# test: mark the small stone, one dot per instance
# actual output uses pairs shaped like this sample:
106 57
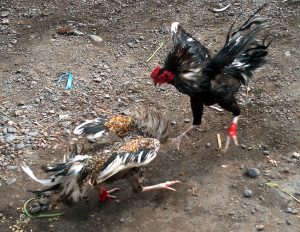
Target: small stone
43 201
98 79
11 167
131 45
35 208
248 193
18 113
187 120
63 116
122 220
11 130
95 38
287 53
266 152
4 13
65 124
66 132
10 138
296 155
107 96
20 146
173 122
231 13
10 181
252 172
243 146
288 222
5 21
208 144
260 227
33 133
44 208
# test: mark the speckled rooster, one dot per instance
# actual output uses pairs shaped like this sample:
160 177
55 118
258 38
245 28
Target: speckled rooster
207 81
69 180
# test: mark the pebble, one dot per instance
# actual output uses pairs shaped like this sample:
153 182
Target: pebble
252 172
35 208
5 21
248 193
4 14
10 181
260 227
266 152
131 45
44 201
208 144
65 124
20 146
291 210
122 220
187 120
33 133
296 155
11 130
288 222
173 122
11 167
10 138
95 38
287 53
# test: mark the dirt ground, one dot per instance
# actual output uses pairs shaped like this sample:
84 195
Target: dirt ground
114 75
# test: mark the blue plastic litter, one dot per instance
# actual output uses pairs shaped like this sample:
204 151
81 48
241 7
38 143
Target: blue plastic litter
69 80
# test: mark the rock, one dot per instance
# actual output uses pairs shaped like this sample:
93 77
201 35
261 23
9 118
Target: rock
296 155
122 220
20 146
4 13
11 167
230 13
10 181
11 130
66 132
252 172
33 133
173 122
288 222
10 138
187 120
287 53
65 124
208 144
95 38
291 210
244 146
131 45
260 227
35 208
44 201
63 116
44 208
18 113
98 80
247 193
5 21
266 152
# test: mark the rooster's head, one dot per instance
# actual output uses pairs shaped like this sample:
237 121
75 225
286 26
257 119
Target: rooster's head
160 76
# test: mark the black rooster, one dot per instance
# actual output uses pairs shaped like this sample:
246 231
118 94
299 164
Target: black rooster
207 80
